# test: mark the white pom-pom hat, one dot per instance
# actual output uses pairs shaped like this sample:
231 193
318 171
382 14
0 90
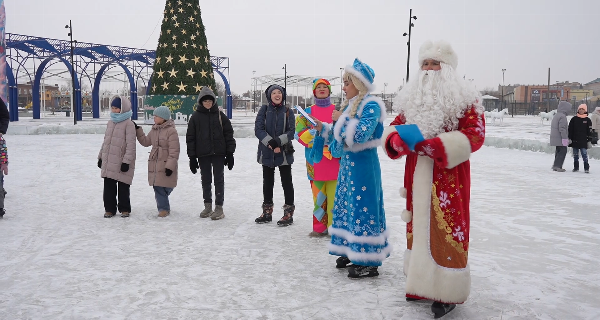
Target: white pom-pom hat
440 51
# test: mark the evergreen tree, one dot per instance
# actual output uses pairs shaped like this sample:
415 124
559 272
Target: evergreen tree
182 65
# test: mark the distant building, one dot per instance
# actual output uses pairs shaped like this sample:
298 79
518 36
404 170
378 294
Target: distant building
593 85
539 93
25 95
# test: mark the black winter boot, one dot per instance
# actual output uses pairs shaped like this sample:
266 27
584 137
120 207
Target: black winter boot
267 214
441 309
288 216
357 272
342 262
586 167
575 166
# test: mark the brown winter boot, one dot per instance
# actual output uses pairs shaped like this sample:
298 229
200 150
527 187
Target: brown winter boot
109 214
218 213
124 214
288 216
267 214
163 213
207 210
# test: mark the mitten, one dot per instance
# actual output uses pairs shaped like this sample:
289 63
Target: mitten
124 167
229 161
395 147
135 124
194 165
274 143
429 148
168 172
565 142
100 163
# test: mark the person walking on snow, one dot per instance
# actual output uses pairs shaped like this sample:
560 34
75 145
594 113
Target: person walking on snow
358 232
117 158
163 158
274 128
210 147
559 135
322 168
580 134
437 177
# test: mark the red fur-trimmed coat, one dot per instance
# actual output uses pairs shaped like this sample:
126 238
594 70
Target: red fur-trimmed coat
437 186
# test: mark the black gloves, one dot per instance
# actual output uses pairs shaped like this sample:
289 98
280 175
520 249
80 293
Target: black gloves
124 167
168 172
135 124
274 143
194 165
229 161
100 163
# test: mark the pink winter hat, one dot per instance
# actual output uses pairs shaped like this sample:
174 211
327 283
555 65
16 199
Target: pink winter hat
582 106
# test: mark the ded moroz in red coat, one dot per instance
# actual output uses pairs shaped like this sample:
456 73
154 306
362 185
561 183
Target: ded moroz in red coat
437 192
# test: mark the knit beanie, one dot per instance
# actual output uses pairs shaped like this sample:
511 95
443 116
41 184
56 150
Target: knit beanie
317 82
274 87
582 106
162 112
116 103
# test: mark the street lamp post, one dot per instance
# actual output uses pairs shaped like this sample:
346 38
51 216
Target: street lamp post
385 104
70 27
341 85
284 81
503 70
254 93
410 25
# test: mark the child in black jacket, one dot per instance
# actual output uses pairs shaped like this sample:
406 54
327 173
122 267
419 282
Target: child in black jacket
210 147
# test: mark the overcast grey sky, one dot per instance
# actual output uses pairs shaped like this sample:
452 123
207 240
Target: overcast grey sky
526 37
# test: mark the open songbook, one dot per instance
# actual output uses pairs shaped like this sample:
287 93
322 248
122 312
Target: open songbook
305 115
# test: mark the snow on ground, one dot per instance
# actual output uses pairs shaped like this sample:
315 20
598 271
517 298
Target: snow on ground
534 244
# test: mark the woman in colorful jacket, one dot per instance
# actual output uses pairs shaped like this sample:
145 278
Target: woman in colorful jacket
358 232
322 168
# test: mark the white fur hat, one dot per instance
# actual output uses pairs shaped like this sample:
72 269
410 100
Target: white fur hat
440 51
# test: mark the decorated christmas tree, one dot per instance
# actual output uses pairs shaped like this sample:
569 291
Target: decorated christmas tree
182 65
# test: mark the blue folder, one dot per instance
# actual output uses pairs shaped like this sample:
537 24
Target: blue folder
410 134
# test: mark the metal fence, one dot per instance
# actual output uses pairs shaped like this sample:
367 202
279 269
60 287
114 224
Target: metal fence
534 108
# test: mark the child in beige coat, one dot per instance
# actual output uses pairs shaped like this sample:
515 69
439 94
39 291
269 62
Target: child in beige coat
162 162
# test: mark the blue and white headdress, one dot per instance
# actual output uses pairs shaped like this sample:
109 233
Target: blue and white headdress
363 72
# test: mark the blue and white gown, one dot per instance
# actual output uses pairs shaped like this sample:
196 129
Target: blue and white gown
359 229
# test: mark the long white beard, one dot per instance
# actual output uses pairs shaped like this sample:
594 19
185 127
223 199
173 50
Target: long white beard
436 101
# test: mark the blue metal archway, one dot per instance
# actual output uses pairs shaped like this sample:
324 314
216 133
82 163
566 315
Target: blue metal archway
87 56
96 91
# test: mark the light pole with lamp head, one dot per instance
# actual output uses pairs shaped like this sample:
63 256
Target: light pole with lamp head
284 82
410 25
70 27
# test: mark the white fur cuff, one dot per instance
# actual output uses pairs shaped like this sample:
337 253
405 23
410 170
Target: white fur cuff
406 216
403 192
386 133
456 146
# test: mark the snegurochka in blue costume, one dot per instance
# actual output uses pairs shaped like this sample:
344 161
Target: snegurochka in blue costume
358 232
